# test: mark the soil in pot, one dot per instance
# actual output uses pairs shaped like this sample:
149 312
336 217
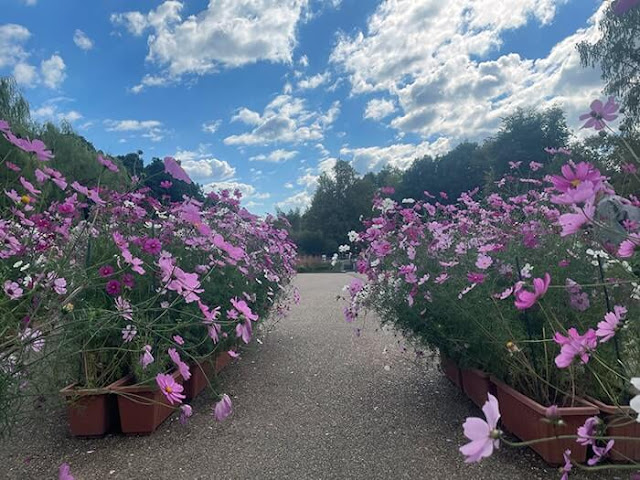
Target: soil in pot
90 412
524 417
621 422
477 385
451 370
142 408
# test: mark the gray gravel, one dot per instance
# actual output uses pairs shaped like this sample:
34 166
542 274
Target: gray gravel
312 402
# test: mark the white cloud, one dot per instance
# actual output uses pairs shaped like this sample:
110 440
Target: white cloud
12 40
277 156
227 34
53 71
82 41
151 129
151 81
50 111
399 155
212 126
288 185
249 192
203 167
378 108
303 61
439 71
314 81
285 119
25 75
300 200
30 3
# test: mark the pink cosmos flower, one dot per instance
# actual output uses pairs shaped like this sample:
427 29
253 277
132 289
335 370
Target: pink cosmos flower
178 339
106 271
475 277
13 290
60 286
129 333
12 166
128 280
107 163
124 308
173 168
113 287
4 126
574 175
483 434
566 468
185 412
166 184
440 279
623 6
152 246
608 327
37 147
170 388
572 222
600 452
243 330
629 167
504 294
574 345
64 472
514 165
223 408
233 354
600 113
526 299
244 309
484 261
587 431
183 368
629 246
535 166
146 358
28 186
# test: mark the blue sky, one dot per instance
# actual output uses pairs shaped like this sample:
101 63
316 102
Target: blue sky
265 94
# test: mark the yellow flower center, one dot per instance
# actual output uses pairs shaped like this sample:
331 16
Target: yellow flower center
575 182
25 199
168 389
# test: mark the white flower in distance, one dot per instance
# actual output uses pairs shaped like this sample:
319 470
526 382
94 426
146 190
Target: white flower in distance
353 236
408 200
635 401
344 248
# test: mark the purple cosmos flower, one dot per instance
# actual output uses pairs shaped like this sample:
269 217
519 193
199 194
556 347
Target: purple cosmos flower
152 246
60 286
12 166
64 473
128 280
13 290
587 431
484 261
629 246
608 327
475 277
600 452
171 389
575 345
233 354
146 358
4 126
124 308
107 163
223 408
185 412
566 469
600 113
129 333
183 368
526 299
173 168
243 330
178 339
572 222
243 308
535 166
106 271
483 434
623 6
113 287
440 279
574 175
166 184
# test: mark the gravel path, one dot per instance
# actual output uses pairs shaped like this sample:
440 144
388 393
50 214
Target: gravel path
312 402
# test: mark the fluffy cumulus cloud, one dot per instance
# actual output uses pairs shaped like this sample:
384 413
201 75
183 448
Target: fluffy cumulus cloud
82 41
53 71
53 110
12 40
285 119
309 182
276 156
314 81
300 200
203 167
226 34
447 71
379 108
212 126
400 155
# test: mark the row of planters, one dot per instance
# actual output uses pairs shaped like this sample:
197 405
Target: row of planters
126 300
533 289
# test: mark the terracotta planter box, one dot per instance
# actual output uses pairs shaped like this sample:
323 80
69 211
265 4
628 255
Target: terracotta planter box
200 374
477 385
90 412
621 422
142 408
222 360
451 370
523 417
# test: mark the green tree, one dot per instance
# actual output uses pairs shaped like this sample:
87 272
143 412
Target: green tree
617 53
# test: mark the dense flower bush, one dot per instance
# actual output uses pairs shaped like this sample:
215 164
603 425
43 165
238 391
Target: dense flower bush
536 283
98 284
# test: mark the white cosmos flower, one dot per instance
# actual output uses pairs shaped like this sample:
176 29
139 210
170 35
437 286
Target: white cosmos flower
635 401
